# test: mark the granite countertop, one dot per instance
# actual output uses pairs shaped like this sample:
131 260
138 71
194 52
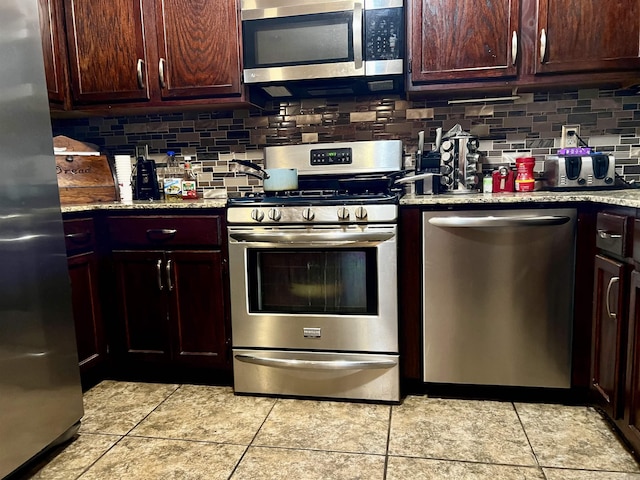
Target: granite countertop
147 205
624 198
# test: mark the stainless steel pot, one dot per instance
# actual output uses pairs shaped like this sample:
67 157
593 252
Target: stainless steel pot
273 179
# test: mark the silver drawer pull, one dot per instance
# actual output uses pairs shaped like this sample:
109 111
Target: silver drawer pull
608 235
611 282
159 274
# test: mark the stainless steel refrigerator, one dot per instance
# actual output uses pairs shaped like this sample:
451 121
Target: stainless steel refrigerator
40 393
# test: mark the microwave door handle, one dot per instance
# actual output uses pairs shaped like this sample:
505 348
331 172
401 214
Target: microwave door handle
357 35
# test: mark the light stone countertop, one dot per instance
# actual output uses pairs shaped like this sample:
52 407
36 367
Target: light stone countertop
147 205
624 198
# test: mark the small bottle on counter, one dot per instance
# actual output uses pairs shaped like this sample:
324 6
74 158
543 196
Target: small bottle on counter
189 185
487 183
172 179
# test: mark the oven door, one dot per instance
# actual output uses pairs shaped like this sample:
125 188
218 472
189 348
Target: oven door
308 40
321 288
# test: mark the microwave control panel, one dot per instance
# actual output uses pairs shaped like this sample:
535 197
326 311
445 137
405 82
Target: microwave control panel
384 34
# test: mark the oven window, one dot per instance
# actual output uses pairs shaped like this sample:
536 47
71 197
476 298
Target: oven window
302 40
340 281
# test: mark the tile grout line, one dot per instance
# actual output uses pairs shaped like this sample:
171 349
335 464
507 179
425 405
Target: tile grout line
252 440
125 435
524 430
386 456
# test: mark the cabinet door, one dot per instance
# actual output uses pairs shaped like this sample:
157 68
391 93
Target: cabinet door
631 424
199 48
587 35
53 49
197 311
90 338
463 39
107 50
609 320
142 310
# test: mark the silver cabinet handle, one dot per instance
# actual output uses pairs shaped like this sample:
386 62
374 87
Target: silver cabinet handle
543 45
316 364
78 237
161 234
357 35
607 235
514 47
168 271
611 282
139 66
161 73
159 274
478 222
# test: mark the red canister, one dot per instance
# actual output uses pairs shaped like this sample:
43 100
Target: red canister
524 176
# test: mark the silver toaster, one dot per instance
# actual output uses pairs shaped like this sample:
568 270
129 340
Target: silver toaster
579 171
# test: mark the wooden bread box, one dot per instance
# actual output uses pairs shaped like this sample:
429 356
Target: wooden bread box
83 175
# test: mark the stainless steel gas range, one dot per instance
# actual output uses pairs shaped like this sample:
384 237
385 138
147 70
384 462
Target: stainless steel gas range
314 276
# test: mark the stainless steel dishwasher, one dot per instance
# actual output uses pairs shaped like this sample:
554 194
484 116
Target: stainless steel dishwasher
498 297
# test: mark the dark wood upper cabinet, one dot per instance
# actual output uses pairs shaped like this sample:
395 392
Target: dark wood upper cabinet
54 51
503 44
108 60
151 52
463 39
199 48
587 36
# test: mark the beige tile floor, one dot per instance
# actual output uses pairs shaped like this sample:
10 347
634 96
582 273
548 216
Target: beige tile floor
158 431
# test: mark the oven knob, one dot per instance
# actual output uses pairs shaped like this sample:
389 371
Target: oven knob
257 215
308 214
361 213
343 214
275 214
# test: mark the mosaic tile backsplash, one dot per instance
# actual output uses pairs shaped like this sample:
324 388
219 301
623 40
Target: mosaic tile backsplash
609 121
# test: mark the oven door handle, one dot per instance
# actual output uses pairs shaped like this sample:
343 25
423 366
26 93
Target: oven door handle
336 238
316 364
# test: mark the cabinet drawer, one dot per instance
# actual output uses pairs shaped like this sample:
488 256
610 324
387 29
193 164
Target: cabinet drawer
613 233
165 231
79 235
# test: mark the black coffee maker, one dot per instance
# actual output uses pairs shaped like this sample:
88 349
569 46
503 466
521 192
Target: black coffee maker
146 176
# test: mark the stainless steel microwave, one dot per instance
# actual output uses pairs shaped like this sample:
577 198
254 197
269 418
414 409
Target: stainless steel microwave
321 39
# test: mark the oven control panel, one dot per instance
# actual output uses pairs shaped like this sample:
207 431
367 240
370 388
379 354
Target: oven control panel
336 156
313 214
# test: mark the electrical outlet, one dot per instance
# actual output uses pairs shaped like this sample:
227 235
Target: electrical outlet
569 137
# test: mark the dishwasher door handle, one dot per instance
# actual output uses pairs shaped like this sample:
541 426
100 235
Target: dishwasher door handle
491 221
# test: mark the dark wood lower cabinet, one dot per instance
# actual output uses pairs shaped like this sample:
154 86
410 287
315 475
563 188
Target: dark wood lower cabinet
170 307
630 424
90 336
609 324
